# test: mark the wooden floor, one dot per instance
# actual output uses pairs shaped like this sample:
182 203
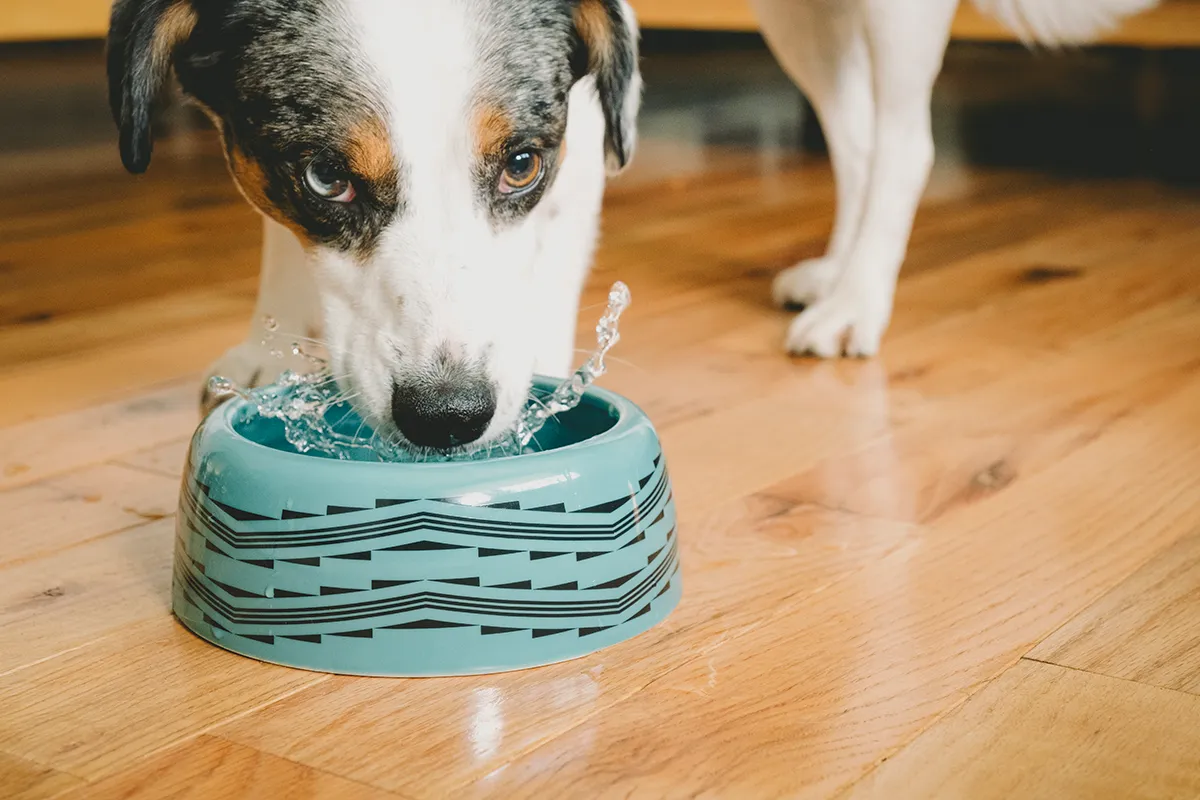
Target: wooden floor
967 569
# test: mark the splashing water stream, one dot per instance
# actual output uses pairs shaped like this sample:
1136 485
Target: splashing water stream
312 413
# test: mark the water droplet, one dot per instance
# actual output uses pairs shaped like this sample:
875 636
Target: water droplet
217 632
270 323
270 591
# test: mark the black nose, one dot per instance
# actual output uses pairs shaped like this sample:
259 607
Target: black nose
445 412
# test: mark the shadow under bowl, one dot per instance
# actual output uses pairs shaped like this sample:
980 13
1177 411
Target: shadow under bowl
404 569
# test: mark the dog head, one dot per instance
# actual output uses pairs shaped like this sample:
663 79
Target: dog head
408 144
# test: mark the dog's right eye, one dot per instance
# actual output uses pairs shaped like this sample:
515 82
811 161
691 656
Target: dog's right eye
325 180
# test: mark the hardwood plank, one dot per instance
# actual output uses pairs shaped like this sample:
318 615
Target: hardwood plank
35 450
842 681
53 19
167 459
62 512
71 383
161 686
24 780
63 601
968 447
1041 731
449 729
206 768
1144 629
94 331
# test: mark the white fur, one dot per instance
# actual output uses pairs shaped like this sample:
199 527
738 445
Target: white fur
441 276
868 67
1056 22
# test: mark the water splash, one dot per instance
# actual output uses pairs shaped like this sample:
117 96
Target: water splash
569 394
312 414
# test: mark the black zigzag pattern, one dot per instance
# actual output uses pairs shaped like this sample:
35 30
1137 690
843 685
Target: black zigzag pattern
584 606
642 502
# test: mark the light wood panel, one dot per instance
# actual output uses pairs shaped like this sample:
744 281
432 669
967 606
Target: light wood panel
1144 630
167 459
94 710
43 518
24 780
41 448
1042 731
53 19
84 593
207 768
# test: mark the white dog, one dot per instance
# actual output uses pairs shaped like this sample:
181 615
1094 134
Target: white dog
430 171
868 68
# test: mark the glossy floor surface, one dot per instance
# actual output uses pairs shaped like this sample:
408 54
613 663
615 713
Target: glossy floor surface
968 568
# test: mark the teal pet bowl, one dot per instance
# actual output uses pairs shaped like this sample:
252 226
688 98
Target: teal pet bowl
427 569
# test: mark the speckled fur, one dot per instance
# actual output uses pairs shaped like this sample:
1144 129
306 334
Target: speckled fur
431 258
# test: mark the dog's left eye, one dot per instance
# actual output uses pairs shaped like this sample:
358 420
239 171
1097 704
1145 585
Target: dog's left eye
328 182
522 171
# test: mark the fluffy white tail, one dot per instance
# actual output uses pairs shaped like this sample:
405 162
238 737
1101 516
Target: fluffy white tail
1055 22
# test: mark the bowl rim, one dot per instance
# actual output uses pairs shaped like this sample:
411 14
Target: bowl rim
630 420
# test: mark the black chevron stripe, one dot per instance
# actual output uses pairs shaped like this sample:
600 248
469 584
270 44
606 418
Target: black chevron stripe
485 630
424 600
375 526
424 521
195 514
431 600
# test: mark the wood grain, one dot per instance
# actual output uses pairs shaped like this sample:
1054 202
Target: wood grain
167 459
24 780
38 449
207 768
92 711
81 594
1041 731
1144 629
43 518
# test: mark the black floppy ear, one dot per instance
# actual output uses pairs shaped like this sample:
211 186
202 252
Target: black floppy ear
142 38
608 39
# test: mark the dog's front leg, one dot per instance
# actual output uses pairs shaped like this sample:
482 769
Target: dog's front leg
287 312
906 42
823 47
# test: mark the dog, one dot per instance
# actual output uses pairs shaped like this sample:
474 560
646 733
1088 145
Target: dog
430 173
868 69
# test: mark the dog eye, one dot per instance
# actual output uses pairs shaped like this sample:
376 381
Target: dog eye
327 181
522 171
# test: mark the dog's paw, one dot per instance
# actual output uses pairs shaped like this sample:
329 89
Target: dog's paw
247 366
807 283
847 322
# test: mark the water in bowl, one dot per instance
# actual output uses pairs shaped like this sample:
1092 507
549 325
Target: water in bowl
305 413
